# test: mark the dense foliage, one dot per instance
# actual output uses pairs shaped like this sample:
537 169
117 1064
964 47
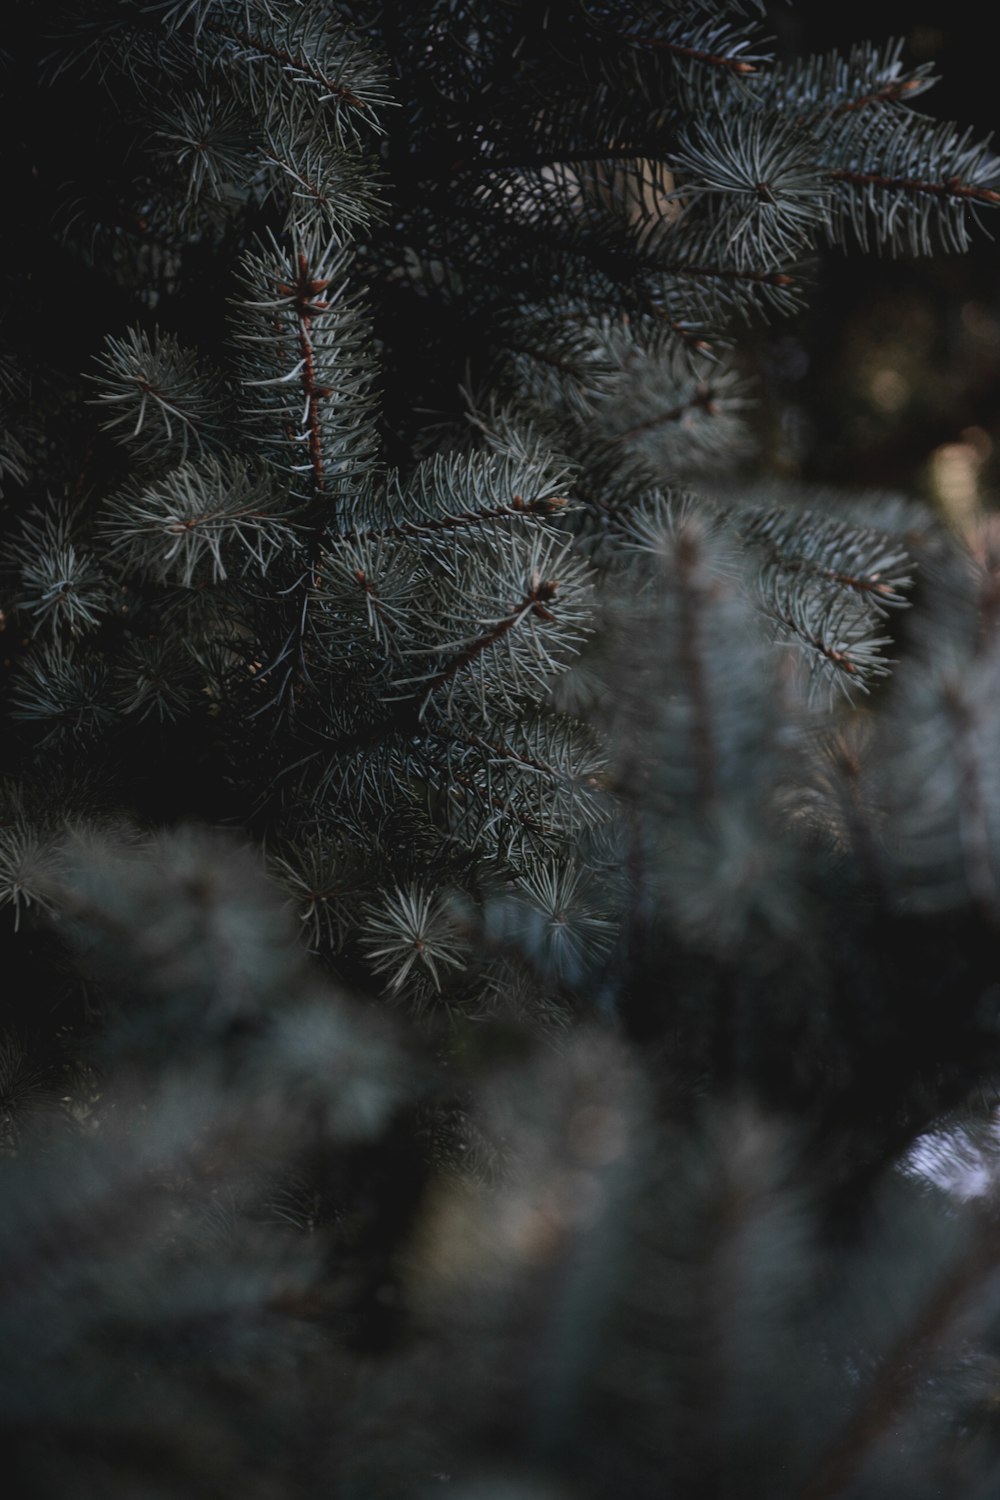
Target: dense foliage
386 575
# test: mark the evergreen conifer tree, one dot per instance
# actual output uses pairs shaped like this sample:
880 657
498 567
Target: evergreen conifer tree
494 892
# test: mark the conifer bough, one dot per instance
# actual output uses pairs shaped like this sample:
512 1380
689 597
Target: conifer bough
386 574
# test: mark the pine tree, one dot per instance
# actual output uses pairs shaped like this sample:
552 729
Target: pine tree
387 575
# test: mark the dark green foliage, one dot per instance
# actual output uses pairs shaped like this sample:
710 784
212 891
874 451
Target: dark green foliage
386 576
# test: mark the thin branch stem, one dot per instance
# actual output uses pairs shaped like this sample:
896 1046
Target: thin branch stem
704 399
534 602
952 187
516 509
288 60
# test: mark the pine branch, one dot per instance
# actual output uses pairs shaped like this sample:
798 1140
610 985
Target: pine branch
60 582
812 91
927 175
952 187
201 519
690 38
166 403
862 561
306 366
704 399
759 177
309 51
518 645
517 509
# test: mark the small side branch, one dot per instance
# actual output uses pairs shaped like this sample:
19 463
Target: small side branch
704 399
306 292
889 93
729 64
516 509
951 187
728 273
534 603
839 659
288 59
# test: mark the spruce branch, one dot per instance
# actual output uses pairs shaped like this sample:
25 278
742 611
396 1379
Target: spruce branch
368 586
526 607
813 91
892 1385
450 499
827 586
554 916
863 561
64 694
306 365
927 187
758 175
198 522
14 394
157 678
26 864
521 726
210 139
413 933
694 36
834 633
306 49
323 873
331 192
701 731
60 584
160 402
530 787
702 292
668 412
32 1103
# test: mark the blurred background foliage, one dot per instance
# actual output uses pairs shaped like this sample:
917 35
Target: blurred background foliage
891 377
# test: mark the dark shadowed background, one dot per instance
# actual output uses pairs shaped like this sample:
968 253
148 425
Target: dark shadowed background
893 377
